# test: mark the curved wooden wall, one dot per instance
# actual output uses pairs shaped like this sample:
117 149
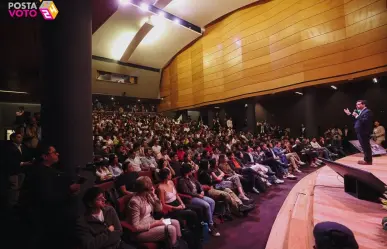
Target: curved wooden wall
278 45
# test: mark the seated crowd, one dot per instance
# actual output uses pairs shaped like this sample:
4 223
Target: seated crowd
161 181
192 172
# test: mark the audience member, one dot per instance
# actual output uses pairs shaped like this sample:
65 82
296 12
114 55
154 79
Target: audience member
99 227
140 209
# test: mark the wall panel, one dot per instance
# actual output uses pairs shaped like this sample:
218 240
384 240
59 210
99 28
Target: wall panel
278 45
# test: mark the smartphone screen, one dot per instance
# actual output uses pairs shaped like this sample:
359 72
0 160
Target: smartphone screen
167 221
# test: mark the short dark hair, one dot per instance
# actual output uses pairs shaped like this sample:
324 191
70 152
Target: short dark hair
13 135
90 196
111 157
125 166
364 102
185 168
45 149
160 163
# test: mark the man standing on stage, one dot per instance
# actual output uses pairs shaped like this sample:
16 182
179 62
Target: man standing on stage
363 128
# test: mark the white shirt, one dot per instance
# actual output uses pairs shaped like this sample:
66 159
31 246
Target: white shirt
315 145
99 216
229 123
136 162
156 149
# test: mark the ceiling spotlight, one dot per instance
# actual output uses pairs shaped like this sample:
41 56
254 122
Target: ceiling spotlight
161 14
375 80
144 7
123 2
334 87
138 100
299 93
177 21
112 98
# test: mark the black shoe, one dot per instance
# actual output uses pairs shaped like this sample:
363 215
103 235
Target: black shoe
246 208
270 173
228 217
250 201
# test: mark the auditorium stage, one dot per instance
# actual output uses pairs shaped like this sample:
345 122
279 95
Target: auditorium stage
320 197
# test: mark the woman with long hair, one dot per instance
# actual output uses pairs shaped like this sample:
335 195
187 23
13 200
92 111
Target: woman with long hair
140 215
177 209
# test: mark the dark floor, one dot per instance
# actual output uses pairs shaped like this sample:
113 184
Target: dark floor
253 231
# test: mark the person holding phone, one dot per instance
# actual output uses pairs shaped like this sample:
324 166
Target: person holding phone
140 215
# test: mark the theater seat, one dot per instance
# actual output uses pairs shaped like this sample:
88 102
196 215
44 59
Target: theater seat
128 228
146 173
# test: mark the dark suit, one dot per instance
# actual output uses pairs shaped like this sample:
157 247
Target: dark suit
12 160
363 128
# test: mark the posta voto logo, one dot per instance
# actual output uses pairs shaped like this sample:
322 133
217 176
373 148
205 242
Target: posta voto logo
30 9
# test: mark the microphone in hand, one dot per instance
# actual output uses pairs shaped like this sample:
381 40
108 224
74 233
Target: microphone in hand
354 113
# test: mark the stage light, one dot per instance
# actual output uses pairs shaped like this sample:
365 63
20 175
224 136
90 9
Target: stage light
217 107
138 100
299 93
124 2
375 80
161 14
177 21
334 87
112 98
144 7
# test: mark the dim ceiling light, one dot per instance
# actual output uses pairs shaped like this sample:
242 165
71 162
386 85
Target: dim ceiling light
334 87
299 93
375 80
7 91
